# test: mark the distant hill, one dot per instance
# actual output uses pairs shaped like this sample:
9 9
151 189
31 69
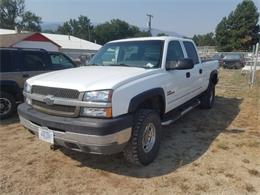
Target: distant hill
54 26
50 25
156 31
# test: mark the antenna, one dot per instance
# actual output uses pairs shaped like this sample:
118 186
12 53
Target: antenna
150 16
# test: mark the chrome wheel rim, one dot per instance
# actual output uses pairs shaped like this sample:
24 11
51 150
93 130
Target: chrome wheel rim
5 106
148 139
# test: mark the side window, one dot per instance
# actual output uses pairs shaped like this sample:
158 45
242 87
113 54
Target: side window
6 62
59 61
174 53
33 61
191 51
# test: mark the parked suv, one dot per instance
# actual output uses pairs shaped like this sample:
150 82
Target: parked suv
17 65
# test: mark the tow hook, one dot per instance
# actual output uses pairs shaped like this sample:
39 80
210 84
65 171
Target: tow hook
54 147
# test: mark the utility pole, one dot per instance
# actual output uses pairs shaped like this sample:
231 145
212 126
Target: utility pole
150 16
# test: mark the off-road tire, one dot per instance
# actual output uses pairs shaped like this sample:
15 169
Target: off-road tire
134 152
11 99
208 98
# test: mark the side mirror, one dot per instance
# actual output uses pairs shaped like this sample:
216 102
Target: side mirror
182 64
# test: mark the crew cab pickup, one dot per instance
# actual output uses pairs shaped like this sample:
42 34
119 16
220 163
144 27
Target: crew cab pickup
120 101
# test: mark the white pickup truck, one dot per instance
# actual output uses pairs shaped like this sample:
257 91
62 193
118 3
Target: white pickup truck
120 101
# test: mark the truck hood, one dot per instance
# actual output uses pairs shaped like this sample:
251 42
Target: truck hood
91 77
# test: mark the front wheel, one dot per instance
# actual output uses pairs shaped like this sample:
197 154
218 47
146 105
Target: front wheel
7 105
144 144
208 98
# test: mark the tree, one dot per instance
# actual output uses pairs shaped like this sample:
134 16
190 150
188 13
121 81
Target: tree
80 27
13 14
10 13
204 40
238 31
116 29
31 22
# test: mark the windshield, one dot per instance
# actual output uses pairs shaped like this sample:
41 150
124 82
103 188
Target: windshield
143 54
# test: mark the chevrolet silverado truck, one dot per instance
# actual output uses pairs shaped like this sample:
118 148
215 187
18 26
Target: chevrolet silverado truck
120 101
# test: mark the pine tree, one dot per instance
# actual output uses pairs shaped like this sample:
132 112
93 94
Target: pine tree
239 31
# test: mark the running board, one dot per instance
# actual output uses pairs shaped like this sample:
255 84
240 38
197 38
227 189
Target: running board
181 113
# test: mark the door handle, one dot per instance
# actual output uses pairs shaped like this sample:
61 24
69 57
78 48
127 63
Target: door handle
200 71
187 74
26 75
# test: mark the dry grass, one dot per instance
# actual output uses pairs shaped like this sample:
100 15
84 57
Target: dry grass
206 152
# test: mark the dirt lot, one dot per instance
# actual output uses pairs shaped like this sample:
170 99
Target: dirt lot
206 152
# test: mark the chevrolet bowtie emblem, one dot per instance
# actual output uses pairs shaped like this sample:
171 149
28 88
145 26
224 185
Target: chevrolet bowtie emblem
49 100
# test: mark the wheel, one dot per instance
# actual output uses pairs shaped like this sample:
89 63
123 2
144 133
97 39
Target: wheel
208 98
144 144
7 105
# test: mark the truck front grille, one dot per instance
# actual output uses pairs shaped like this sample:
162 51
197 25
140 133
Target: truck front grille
57 92
60 110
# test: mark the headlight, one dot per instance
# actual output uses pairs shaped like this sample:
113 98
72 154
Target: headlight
97 112
27 88
98 96
104 96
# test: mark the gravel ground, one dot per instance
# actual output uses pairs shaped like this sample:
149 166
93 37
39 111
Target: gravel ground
213 151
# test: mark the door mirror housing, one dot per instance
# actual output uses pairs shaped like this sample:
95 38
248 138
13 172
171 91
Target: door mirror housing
182 64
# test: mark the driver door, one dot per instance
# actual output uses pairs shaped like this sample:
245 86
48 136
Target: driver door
179 81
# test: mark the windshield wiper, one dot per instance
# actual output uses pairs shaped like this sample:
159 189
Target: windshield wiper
93 64
121 64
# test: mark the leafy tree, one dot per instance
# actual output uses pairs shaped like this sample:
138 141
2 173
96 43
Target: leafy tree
238 31
80 27
116 29
31 22
13 14
204 40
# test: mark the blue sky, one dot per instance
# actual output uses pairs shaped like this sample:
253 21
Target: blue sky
187 17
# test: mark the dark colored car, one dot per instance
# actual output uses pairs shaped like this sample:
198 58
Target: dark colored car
17 65
233 61
218 57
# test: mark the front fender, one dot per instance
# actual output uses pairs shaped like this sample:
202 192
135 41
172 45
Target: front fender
140 98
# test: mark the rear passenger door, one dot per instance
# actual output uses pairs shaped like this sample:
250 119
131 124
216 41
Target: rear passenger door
196 72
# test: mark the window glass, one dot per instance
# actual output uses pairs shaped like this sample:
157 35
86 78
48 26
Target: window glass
191 51
60 61
174 54
144 54
34 61
6 62
109 56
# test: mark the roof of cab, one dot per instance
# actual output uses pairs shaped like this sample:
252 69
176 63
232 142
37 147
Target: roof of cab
162 38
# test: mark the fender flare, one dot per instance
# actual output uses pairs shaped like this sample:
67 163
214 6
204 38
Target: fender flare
11 87
138 99
214 77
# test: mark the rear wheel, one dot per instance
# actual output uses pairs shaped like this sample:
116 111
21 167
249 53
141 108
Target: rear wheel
7 105
144 144
208 98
